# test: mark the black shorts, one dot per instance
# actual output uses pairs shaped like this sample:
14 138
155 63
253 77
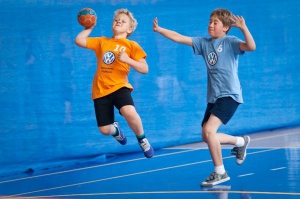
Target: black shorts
104 106
224 108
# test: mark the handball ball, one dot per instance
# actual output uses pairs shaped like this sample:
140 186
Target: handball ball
87 17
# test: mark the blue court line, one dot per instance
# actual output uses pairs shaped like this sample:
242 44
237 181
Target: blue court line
137 173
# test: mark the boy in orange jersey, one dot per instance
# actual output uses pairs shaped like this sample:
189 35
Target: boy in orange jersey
111 88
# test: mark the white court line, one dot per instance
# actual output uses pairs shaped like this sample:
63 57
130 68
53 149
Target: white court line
170 192
132 174
279 168
274 136
252 140
137 159
248 174
97 166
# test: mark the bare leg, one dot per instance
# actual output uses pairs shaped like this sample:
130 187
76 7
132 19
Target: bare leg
133 119
107 130
226 139
135 123
209 135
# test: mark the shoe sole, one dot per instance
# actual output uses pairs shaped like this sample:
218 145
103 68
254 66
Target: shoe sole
151 151
245 155
217 188
214 183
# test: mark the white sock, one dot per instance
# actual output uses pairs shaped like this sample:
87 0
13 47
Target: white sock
240 141
220 169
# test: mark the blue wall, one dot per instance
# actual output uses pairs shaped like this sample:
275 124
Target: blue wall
47 117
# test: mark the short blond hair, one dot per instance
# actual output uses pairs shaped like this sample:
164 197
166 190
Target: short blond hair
133 21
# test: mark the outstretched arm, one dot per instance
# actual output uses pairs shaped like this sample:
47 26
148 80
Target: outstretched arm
172 35
249 44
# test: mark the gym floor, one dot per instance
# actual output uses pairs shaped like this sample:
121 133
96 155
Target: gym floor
271 170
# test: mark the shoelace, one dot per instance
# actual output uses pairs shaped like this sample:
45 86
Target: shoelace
145 145
237 151
212 176
119 137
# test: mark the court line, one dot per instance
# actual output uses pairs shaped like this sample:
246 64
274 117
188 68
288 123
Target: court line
126 161
132 174
248 174
274 136
174 192
280 168
97 166
252 140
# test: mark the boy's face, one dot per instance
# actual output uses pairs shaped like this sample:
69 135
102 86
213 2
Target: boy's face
216 29
121 24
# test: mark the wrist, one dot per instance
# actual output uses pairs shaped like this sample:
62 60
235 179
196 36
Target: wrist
243 28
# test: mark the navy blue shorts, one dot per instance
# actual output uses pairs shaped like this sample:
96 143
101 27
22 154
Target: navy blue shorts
104 106
224 108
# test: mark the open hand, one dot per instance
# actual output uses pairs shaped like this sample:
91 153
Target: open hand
238 21
155 24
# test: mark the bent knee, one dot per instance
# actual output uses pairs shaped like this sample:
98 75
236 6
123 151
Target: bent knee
106 130
206 133
129 112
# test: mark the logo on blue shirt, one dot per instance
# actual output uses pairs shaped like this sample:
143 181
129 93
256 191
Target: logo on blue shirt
212 58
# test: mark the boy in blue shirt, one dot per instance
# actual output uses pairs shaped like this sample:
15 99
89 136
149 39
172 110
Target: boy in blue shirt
224 93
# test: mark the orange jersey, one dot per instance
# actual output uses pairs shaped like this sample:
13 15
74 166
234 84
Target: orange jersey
112 74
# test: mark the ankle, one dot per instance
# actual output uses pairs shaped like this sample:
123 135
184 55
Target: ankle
240 141
140 137
220 169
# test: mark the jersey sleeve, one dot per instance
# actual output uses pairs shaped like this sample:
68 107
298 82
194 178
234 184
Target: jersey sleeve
93 42
197 45
137 52
235 43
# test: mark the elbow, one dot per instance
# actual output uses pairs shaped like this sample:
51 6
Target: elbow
253 47
145 71
76 42
81 42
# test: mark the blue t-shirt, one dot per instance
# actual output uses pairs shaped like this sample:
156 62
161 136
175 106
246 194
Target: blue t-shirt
221 58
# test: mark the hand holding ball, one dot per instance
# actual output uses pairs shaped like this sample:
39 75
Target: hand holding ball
87 17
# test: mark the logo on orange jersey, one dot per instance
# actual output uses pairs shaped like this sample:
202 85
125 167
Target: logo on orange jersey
109 58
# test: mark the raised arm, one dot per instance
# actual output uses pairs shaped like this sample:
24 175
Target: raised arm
80 39
249 44
172 35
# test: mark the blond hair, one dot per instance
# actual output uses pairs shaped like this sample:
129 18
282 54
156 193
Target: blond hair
224 16
133 21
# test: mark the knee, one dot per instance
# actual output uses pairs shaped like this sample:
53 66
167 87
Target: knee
205 134
106 130
129 113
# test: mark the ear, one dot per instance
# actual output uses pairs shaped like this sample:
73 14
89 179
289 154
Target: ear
129 31
226 28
